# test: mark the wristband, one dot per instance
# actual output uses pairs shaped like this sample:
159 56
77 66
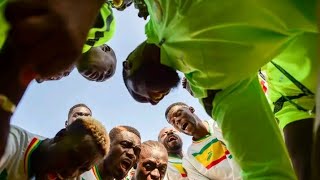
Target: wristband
117 5
6 104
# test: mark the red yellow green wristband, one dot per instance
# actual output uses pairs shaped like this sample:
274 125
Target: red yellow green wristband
6 104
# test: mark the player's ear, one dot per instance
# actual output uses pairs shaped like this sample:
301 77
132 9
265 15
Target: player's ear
127 65
66 123
191 109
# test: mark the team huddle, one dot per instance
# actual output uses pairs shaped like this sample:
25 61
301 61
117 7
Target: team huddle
253 65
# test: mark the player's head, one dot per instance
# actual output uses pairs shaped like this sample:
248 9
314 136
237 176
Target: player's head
142 8
77 148
124 151
98 64
77 111
171 140
182 117
57 76
146 79
153 161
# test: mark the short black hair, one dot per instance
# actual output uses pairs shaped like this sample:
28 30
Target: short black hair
172 105
116 130
78 105
150 70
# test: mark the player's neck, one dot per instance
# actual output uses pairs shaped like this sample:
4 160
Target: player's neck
178 154
104 170
201 131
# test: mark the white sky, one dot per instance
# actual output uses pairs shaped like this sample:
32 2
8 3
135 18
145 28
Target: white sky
45 106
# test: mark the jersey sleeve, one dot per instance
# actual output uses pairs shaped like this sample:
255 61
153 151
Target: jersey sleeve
103 29
3 23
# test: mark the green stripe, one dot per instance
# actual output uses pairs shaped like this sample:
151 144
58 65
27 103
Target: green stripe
98 173
206 147
29 158
173 162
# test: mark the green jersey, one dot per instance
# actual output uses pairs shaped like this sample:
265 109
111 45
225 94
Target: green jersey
103 29
220 46
3 23
217 43
101 33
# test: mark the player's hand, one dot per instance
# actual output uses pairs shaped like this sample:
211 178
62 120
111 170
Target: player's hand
186 85
47 36
142 7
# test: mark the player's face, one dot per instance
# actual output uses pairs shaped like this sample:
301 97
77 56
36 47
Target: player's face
147 80
124 153
58 76
171 140
73 156
152 164
77 112
182 119
145 94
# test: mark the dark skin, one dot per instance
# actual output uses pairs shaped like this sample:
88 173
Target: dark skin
186 85
37 55
66 156
27 57
147 80
172 142
299 146
152 164
142 8
184 120
123 155
77 112
97 64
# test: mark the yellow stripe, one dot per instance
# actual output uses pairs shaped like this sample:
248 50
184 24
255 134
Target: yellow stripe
31 147
96 173
212 153
180 168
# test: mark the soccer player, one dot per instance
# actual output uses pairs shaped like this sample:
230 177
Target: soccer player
73 150
220 56
44 39
123 155
207 156
171 140
153 161
77 111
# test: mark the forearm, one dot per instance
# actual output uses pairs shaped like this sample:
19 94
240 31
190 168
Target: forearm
10 87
